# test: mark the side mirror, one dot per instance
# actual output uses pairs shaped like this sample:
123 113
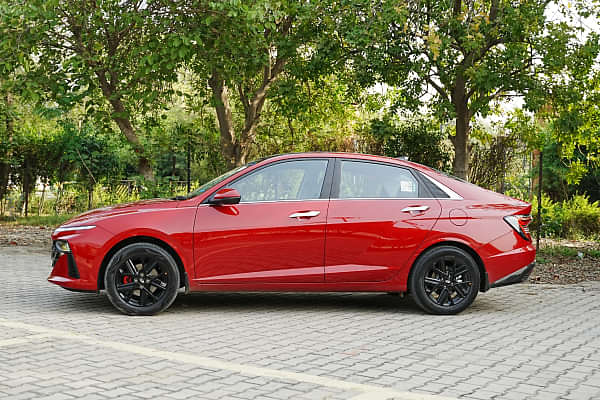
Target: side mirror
225 196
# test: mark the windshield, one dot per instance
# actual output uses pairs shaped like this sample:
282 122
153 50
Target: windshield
216 181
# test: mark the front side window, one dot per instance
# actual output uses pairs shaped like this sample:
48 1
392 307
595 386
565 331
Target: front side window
372 180
289 180
216 181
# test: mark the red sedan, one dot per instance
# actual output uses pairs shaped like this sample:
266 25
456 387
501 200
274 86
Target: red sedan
303 222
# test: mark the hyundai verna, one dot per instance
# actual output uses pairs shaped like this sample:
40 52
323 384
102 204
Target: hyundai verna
303 222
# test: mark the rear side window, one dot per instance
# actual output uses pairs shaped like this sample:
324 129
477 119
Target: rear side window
372 180
435 190
290 180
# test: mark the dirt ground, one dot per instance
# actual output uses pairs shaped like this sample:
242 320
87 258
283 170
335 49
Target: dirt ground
552 268
562 268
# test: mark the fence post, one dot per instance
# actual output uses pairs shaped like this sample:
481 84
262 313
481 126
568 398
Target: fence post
189 156
539 229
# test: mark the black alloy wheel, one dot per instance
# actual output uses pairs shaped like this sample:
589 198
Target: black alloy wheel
142 279
445 280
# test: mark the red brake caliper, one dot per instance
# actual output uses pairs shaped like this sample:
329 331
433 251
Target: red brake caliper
126 279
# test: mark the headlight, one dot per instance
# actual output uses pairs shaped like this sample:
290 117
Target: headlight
74 228
62 246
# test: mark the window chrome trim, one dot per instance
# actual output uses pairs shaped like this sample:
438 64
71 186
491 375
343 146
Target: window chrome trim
452 195
267 201
278 201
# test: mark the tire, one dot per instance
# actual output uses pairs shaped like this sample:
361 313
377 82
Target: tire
444 280
141 279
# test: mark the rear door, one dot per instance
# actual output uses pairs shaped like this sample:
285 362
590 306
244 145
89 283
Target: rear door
379 213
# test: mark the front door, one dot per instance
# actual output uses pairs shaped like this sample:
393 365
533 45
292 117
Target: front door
275 234
378 216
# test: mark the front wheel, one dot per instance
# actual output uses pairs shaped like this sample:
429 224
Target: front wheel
445 280
141 279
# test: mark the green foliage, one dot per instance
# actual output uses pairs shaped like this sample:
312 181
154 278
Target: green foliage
460 58
307 116
581 218
105 55
575 218
92 156
495 151
421 140
559 171
242 50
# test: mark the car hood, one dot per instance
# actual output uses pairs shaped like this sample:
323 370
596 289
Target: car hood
93 216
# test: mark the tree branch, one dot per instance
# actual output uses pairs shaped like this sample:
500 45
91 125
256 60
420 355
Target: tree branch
437 87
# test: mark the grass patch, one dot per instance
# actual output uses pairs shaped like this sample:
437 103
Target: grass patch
594 253
566 252
34 220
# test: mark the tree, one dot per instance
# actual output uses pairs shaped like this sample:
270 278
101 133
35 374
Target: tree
91 155
240 49
461 56
421 140
106 53
34 155
318 114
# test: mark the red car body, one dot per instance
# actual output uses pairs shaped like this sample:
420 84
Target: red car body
364 244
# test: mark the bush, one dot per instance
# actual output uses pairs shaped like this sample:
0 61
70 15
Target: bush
575 218
581 218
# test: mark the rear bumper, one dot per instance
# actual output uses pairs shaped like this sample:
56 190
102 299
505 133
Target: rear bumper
518 276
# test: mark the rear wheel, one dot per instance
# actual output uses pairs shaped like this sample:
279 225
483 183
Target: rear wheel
141 279
445 280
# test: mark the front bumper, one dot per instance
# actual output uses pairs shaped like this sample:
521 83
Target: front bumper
518 276
65 272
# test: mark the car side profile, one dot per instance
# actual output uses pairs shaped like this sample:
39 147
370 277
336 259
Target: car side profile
321 222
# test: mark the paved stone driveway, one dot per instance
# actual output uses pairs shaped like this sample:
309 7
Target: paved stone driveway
519 342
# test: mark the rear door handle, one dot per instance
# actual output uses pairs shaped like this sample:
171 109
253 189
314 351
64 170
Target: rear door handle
415 208
305 214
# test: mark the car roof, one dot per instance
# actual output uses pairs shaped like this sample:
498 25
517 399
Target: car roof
358 156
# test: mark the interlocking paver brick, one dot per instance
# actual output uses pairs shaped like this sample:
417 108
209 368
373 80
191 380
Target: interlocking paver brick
518 342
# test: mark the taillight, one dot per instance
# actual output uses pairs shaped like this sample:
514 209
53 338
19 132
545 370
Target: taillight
520 223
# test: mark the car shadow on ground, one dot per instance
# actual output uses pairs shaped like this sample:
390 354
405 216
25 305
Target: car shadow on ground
248 302
315 302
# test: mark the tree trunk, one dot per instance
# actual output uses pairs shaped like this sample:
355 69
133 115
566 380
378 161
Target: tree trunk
173 164
229 145
90 197
41 205
460 166
124 124
58 197
26 185
236 149
5 162
291 128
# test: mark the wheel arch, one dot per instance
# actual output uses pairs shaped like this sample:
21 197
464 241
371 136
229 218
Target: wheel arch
484 284
183 278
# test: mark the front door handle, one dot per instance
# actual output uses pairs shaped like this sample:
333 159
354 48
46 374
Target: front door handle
415 209
305 214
